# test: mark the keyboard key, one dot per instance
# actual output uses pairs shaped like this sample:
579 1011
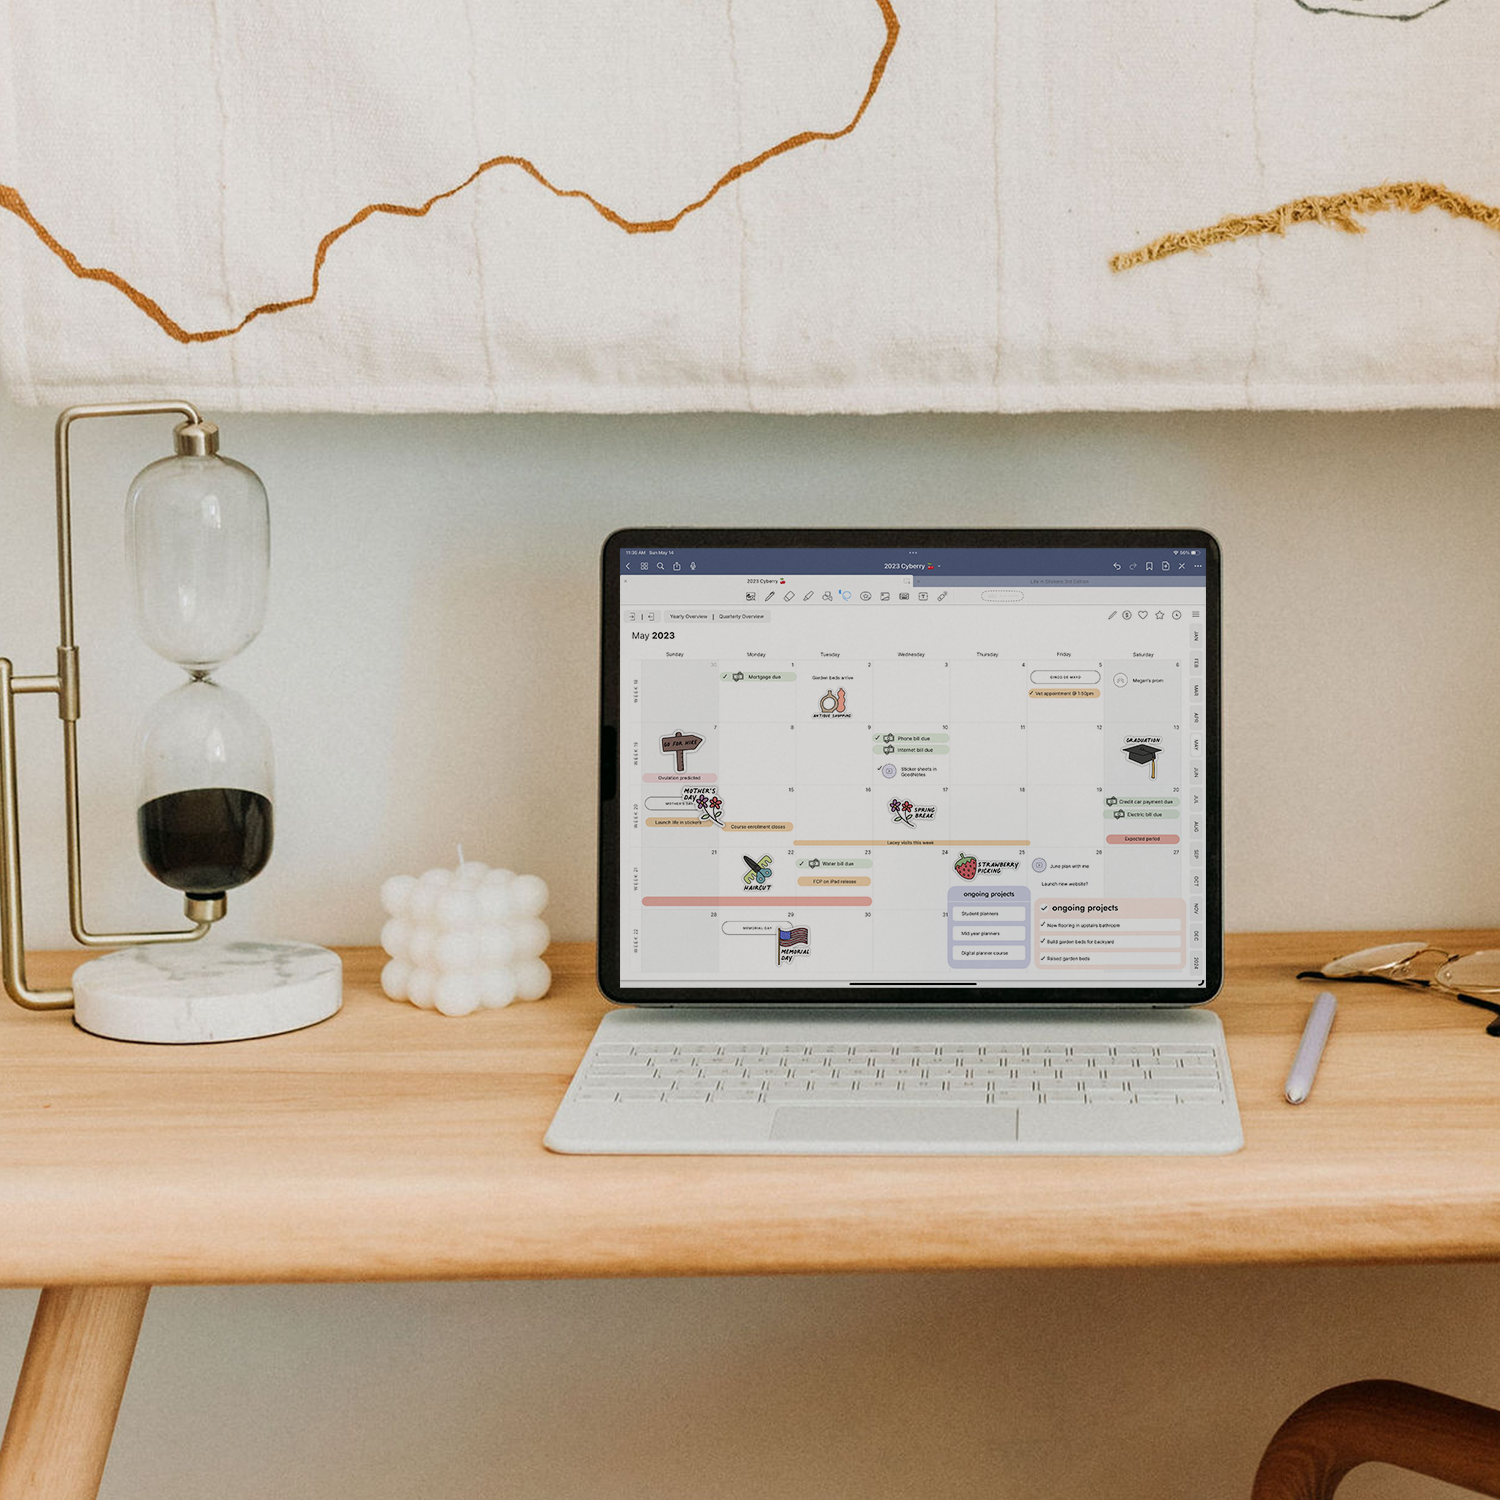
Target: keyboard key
595 1096
688 1096
640 1096
1068 1098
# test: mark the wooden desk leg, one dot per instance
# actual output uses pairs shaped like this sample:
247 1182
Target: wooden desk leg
72 1380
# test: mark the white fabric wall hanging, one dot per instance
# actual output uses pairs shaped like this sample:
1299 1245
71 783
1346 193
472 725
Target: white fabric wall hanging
791 205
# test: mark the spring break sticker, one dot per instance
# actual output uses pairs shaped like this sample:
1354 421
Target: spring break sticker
905 811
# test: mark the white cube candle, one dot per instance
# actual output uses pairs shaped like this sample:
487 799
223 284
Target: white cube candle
465 940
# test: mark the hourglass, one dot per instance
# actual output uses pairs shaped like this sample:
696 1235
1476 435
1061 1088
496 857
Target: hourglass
200 568
197 533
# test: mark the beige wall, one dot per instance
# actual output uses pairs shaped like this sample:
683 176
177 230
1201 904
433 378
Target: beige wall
429 663
429 673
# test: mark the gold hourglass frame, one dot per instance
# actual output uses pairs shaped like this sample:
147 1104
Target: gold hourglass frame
63 685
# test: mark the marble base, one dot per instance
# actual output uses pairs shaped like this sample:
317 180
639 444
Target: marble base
206 992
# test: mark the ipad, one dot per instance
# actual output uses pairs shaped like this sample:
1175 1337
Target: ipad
910 767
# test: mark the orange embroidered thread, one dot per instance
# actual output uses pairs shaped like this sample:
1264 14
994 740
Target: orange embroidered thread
14 203
1336 210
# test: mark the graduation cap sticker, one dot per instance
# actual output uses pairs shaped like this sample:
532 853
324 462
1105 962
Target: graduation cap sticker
1142 754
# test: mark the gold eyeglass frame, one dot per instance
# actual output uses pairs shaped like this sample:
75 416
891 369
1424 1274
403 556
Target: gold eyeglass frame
1398 971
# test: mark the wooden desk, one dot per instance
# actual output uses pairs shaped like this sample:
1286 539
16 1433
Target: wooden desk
396 1144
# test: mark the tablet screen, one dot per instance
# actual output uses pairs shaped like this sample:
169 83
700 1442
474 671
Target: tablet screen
938 768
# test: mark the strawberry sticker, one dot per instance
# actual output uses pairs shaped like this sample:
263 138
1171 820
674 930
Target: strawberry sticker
967 866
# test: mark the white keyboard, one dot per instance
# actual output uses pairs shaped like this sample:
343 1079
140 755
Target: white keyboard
710 1080
1010 1074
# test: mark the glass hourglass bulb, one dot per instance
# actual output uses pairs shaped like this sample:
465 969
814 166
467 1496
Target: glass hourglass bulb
198 534
207 779
198 531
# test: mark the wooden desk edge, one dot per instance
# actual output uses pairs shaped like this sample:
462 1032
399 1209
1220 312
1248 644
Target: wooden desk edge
679 1268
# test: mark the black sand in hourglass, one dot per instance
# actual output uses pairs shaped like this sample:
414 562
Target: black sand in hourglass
206 841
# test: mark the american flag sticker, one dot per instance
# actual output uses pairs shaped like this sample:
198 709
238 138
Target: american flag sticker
789 937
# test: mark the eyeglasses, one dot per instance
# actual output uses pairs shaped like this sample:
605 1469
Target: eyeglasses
1473 978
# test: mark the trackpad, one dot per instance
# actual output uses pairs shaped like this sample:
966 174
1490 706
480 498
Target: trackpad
894 1124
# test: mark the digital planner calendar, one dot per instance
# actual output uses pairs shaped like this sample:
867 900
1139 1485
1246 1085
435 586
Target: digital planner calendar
983 767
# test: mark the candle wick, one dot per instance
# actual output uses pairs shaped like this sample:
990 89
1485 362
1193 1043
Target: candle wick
460 856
